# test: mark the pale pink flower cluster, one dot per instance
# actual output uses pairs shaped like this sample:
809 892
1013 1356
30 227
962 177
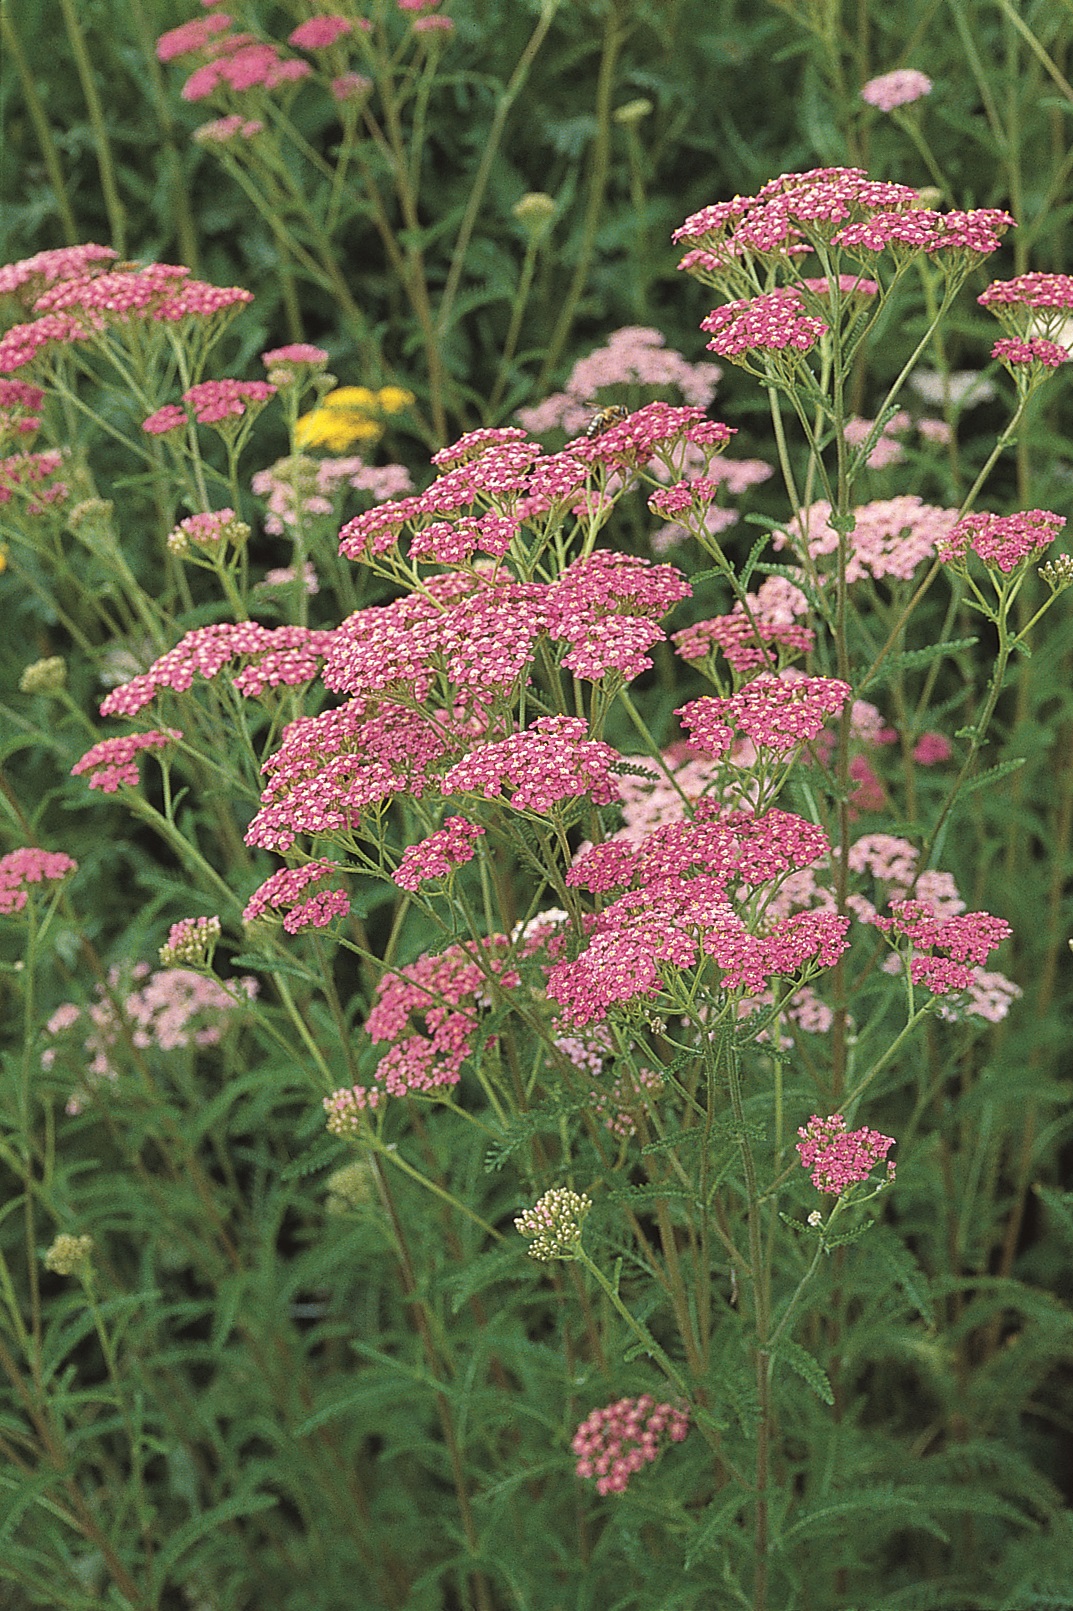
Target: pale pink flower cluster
887 449
619 1105
614 1443
899 88
222 130
1002 542
633 356
168 1010
438 855
285 576
299 355
274 657
286 893
28 865
892 536
113 762
839 1157
299 487
965 939
775 713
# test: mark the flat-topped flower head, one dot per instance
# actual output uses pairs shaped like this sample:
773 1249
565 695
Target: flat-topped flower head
839 1157
776 713
549 763
1002 542
773 323
27 278
891 537
614 1443
437 856
287 896
963 941
21 868
553 1225
273 657
899 88
113 762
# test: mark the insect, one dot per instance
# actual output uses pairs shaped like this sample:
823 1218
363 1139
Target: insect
614 414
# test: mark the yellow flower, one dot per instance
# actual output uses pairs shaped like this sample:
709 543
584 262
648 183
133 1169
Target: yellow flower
335 429
349 415
393 399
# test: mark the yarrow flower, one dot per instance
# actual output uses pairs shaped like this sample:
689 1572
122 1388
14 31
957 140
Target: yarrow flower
1011 351
552 761
1002 542
169 1009
285 894
190 943
966 938
775 713
28 865
614 1443
840 1158
438 855
899 88
69 1255
553 1225
113 762
773 323
274 657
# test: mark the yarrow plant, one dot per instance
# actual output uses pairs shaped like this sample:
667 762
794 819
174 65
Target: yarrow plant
568 873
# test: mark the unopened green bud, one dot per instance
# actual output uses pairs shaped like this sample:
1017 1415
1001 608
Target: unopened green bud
69 1255
632 112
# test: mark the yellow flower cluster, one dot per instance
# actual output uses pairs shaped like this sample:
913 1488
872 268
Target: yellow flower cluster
350 415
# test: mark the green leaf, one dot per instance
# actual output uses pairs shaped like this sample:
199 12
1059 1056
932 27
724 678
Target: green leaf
719 1522
993 774
198 1526
809 1369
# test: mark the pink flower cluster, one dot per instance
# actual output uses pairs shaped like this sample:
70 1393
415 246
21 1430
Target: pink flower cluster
168 1010
429 1011
28 865
19 404
775 713
27 278
965 938
222 130
236 61
774 322
317 33
1011 351
677 907
1040 292
634 355
747 643
286 892
211 401
1002 541
24 474
438 855
614 1443
332 768
284 656
840 1158
552 761
890 537
899 88
113 762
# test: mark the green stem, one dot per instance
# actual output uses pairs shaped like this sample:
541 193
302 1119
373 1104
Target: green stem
102 144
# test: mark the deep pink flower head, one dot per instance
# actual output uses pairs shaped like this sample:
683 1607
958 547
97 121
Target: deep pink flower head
439 854
113 761
1011 351
191 38
776 713
931 749
1002 541
966 939
28 865
285 894
840 1158
1046 291
614 1443
317 33
774 322
896 89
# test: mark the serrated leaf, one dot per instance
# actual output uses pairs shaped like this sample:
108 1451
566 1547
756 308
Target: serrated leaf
718 1522
912 659
993 774
809 1369
207 1521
